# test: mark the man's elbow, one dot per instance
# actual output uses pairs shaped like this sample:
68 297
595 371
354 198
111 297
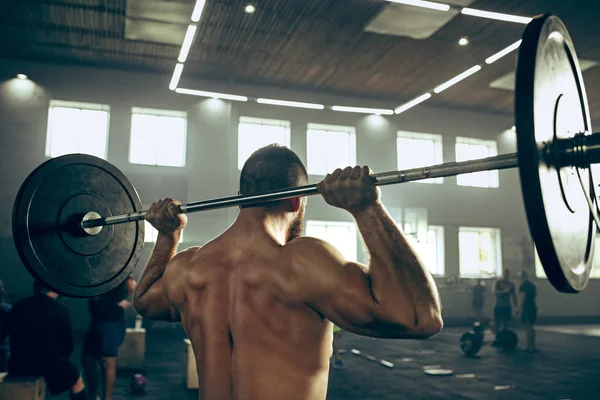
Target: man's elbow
429 325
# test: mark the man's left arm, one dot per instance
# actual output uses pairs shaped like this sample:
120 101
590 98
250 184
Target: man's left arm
149 297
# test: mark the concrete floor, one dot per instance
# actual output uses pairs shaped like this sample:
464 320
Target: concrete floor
566 367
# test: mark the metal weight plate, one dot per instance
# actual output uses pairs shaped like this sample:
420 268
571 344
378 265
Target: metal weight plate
46 216
550 104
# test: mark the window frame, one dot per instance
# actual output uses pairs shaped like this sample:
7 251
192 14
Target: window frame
263 122
77 105
153 232
159 113
438 155
350 130
497 234
492 145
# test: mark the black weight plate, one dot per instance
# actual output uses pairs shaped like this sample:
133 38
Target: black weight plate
46 215
471 343
550 104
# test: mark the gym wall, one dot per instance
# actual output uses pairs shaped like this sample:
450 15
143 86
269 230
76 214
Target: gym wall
211 167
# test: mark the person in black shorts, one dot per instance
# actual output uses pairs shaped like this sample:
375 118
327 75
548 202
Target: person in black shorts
104 337
41 342
504 290
528 309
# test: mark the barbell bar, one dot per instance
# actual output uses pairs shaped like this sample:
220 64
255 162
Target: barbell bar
555 156
380 179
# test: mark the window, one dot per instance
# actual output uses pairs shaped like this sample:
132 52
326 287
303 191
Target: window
426 240
77 128
158 137
594 274
329 147
151 234
254 133
419 150
479 251
342 235
472 149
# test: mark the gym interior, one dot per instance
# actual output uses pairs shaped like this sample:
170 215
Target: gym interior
178 94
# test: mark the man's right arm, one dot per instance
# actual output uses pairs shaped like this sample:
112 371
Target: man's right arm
395 296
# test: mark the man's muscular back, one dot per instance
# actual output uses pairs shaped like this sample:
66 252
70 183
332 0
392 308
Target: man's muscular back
253 338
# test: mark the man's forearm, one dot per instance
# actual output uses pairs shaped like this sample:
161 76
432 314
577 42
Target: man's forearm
398 278
163 252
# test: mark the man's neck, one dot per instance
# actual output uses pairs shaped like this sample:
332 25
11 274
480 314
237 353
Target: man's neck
274 224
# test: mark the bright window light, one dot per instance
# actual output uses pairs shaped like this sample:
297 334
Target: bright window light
214 95
187 43
176 76
77 128
457 79
473 149
254 133
22 76
158 137
400 109
494 15
290 104
342 235
362 110
503 52
151 234
479 252
419 150
320 139
198 8
424 4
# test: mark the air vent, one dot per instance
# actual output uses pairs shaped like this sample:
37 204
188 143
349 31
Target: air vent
414 22
157 21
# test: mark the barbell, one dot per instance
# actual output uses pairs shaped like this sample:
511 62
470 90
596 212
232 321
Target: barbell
78 223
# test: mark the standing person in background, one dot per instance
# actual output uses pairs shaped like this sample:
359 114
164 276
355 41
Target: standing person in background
104 337
41 342
528 309
4 316
478 299
506 298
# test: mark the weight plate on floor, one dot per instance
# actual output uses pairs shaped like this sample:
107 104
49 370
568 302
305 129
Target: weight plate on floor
551 104
438 372
46 216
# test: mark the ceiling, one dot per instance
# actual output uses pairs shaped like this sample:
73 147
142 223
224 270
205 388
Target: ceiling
309 45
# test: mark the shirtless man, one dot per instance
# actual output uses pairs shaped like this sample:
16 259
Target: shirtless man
258 302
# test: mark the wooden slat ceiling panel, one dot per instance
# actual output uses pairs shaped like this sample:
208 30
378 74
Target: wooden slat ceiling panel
313 45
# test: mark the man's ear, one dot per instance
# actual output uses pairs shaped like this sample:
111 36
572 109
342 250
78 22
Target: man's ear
295 203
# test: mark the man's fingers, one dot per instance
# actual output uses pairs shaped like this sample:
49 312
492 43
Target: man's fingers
336 174
346 173
355 174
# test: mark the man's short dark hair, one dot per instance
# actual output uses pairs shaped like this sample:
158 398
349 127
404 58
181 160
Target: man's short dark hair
269 168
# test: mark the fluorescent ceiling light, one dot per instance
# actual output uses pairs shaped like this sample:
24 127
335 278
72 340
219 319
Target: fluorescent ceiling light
457 79
214 95
494 15
412 103
187 43
503 52
249 9
197 13
362 110
424 4
176 76
463 41
290 104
